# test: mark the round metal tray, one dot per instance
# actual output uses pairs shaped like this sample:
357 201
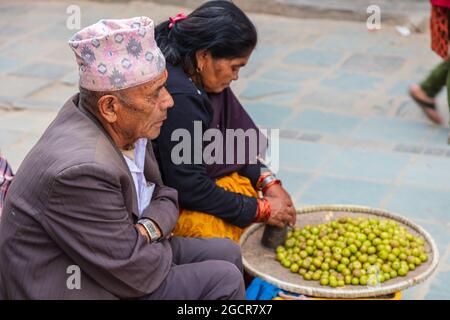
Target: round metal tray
260 261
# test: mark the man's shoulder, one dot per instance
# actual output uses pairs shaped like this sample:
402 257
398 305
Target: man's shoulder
71 140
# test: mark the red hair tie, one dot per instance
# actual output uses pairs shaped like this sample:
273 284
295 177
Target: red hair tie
178 17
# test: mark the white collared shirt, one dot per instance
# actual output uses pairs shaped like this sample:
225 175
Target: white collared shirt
144 189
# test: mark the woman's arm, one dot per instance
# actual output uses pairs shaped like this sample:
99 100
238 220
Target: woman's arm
196 191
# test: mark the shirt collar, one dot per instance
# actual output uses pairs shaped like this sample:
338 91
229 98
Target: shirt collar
139 156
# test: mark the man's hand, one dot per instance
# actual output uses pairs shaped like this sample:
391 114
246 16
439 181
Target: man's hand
279 193
144 232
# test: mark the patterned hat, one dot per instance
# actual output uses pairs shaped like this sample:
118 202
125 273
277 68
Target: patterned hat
117 54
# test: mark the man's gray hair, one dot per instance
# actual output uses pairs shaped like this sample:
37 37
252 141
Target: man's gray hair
89 98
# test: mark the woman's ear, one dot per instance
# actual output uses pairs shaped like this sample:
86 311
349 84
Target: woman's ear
203 57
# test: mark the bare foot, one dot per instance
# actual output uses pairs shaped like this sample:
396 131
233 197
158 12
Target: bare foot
426 103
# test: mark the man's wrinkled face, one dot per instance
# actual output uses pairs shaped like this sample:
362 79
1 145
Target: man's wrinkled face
143 109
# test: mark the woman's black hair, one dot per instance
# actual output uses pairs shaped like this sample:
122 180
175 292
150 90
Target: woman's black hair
219 27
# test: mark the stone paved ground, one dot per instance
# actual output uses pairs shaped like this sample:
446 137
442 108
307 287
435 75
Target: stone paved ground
349 132
403 12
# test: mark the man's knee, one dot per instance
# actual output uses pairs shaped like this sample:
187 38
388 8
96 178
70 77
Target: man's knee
230 280
231 252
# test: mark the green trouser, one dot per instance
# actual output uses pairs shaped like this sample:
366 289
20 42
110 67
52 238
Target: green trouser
437 79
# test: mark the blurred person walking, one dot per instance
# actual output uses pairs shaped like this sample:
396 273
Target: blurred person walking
425 92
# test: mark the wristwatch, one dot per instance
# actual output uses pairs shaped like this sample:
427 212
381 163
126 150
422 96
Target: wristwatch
150 228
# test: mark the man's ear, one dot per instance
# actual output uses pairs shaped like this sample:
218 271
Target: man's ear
108 107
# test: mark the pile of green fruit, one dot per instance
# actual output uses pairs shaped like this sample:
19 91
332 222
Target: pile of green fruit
352 251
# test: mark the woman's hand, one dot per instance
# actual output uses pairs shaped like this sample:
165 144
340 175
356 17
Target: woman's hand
278 192
281 213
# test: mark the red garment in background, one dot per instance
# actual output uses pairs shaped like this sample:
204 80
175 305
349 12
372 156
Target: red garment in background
441 3
439 30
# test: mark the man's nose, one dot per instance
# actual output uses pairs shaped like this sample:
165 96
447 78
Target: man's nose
168 101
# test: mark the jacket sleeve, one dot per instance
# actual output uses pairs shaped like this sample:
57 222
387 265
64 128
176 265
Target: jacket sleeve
87 218
163 209
197 191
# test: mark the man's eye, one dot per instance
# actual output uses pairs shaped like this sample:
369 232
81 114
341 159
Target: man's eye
154 96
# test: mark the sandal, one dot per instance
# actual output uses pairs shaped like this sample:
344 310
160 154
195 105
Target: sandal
428 108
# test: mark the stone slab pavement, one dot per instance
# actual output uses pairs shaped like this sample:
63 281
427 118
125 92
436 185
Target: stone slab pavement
413 13
337 92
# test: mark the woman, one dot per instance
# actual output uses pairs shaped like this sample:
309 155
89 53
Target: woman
204 53
425 92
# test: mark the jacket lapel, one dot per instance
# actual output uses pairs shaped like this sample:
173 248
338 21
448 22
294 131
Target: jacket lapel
134 205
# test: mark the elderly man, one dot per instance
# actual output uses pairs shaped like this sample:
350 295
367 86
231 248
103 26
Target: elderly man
87 215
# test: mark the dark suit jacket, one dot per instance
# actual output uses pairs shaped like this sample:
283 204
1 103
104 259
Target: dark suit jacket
73 202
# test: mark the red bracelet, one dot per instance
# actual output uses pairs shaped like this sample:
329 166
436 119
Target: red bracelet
258 211
263 211
266 209
274 182
261 179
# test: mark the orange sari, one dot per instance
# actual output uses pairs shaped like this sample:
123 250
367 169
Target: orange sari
200 224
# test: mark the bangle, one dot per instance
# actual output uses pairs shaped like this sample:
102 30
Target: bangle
258 211
263 210
266 181
261 179
271 183
266 209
